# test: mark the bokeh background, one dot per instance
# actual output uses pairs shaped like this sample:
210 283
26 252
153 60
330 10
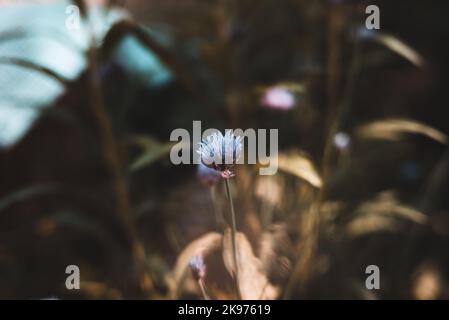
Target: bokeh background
85 173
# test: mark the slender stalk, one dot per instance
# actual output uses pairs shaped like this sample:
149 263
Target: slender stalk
233 240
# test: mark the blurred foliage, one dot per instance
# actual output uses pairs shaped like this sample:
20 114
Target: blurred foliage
85 121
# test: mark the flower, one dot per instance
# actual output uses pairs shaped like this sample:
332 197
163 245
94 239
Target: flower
278 98
221 152
197 267
208 176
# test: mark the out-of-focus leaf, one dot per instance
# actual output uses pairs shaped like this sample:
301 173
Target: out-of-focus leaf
274 251
98 290
126 28
297 164
387 204
153 150
33 60
428 283
294 87
201 246
81 4
394 129
394 44
253 282
26 193
144 65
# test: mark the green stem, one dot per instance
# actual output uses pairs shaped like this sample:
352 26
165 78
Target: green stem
233 239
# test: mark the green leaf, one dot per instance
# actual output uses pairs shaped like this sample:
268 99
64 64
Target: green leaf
153 150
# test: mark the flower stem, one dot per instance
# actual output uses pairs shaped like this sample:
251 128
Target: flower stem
203 289
111 154
233 240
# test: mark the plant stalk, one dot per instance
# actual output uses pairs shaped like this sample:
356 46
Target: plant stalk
233 240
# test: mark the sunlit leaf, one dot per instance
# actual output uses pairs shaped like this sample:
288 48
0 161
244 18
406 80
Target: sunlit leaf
35 67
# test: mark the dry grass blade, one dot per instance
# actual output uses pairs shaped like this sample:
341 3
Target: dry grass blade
200 246
297 164
382 214
393 129
398 46
269 190
253 282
